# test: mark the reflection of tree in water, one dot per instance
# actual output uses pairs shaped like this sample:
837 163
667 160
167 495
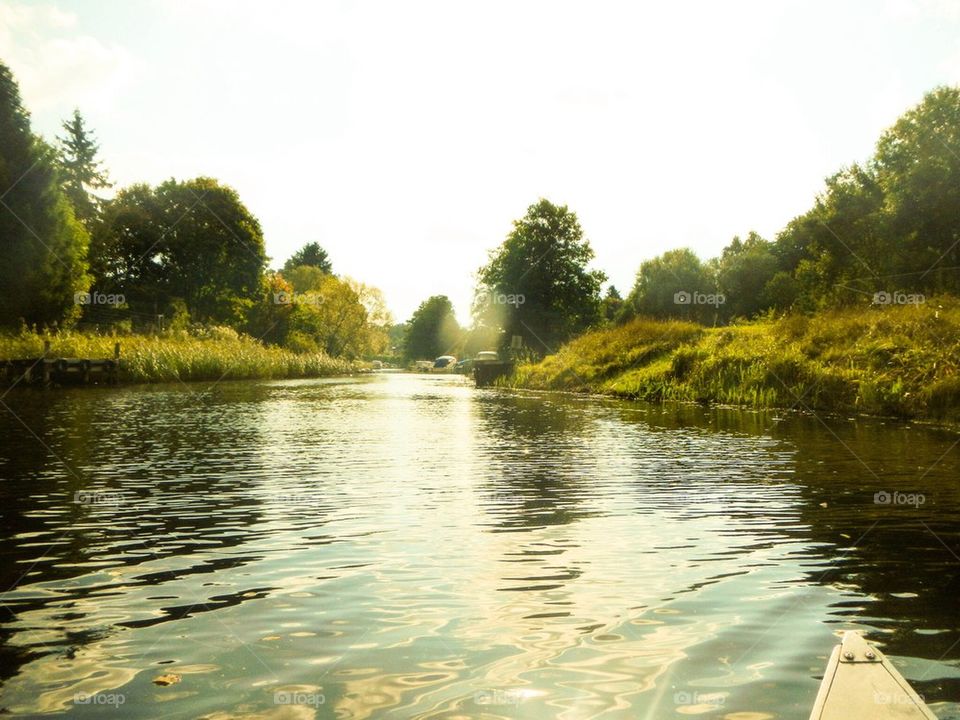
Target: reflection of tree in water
900 563
532 460
166 478
902 558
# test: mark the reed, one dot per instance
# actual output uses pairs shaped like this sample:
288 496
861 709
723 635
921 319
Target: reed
218 353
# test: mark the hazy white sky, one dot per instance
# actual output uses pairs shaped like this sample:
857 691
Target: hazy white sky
405 136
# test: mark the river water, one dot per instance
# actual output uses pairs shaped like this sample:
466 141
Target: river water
408 546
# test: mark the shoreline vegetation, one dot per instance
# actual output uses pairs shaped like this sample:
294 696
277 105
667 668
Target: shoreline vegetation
893 361
217 353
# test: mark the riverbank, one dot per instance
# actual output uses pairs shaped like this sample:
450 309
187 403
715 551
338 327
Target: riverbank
901 361
215 354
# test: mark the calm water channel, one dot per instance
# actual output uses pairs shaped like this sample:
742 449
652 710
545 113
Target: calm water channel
408 546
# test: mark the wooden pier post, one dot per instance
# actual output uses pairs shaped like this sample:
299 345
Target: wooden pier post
45 363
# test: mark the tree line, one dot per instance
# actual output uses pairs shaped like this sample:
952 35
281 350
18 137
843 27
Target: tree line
164 257
189 251
886 230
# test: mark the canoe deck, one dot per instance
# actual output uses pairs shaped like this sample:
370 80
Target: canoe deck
861 684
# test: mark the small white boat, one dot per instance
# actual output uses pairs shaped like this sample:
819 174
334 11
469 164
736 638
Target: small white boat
861 684
444 364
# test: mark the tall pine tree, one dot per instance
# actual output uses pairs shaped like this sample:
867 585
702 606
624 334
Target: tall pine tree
80 171
43 247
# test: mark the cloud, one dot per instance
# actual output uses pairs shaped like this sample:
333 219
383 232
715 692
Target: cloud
59 68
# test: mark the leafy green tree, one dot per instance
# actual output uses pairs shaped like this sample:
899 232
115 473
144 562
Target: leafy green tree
536 284
674 285
193 240
269 318
335 319
743 270
917 165
81 172
43 248
612 304
432 331
311 255
305 278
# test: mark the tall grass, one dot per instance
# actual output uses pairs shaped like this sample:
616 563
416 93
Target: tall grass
894 361
220 353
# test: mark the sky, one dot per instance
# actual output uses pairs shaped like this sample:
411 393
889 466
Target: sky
405 137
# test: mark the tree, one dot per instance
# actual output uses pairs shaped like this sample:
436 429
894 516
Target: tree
334 319
305 278
43 248
80 171
917 165
743 271
269 318
612 303
675 285
537 284
311 255
193 240
432 331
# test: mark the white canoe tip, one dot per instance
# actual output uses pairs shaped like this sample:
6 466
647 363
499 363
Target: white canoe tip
860 683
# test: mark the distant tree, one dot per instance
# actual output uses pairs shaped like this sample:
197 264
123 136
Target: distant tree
193 240
335 320
665 287
269 317
305 278
80 171
612 303
311 255
743 271
397 335
433 330
537 284
43 247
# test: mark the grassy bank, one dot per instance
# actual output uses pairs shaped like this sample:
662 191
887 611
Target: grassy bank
219 353
902 361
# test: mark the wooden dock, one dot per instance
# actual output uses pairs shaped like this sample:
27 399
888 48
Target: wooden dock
47 371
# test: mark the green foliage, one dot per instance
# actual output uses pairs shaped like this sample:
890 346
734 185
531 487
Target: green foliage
310 255
536 283
305 278
891 224
338 315
43 248
193 240
432 331
80 170
664 283
744 271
